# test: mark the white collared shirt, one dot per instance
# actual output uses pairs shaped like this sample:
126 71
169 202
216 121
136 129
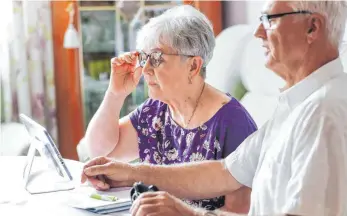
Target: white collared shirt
297 162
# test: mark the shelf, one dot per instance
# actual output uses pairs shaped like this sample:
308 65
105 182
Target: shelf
97 8
108 30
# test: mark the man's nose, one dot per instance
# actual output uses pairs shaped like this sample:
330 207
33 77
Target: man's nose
260 31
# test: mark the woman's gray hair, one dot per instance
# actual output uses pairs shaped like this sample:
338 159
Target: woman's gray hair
335 13
184 29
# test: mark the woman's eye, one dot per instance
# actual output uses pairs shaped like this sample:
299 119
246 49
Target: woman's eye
156 62
142 63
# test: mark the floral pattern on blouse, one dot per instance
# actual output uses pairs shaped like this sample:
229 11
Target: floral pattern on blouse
162 141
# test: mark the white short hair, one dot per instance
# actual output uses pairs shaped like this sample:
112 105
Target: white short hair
182 28
335 13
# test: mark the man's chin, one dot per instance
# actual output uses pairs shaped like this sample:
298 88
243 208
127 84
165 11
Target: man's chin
269 63
275 67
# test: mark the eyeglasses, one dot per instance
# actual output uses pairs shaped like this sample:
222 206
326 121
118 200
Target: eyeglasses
266 18
155 58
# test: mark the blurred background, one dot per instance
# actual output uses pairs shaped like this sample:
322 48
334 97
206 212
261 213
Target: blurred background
55 60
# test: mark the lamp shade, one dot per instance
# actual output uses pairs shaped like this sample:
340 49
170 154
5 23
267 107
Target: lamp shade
71 39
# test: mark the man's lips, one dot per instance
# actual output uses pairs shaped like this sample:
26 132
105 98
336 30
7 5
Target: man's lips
267 50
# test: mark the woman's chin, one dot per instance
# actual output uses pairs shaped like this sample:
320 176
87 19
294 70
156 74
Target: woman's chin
154 94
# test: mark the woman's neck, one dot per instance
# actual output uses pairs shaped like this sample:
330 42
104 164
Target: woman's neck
183 106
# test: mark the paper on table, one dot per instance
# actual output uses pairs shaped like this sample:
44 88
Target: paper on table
112 210
80 198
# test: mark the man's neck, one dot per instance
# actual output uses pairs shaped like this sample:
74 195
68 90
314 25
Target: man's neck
312 61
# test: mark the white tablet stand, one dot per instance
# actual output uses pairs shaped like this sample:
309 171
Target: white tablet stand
52 174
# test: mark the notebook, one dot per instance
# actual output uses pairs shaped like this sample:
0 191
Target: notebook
80 198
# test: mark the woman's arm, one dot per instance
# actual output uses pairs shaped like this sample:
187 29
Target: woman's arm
107 135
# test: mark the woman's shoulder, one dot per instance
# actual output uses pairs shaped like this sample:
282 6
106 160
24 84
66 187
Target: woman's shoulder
152 107
233 112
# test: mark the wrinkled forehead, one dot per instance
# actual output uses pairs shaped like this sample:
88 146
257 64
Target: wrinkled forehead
276 6
148 43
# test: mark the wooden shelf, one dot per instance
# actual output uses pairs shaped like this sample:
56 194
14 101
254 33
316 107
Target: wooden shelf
96 3
97 8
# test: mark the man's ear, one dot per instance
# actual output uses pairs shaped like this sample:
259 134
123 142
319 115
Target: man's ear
195 65
315 27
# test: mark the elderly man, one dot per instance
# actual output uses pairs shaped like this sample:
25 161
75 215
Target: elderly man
297 163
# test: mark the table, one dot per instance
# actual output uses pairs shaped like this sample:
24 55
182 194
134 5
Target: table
15 200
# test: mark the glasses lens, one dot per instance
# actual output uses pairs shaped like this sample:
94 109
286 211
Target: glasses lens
142 59
264 19
155 59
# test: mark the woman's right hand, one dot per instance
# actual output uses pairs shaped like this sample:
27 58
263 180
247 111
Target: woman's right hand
124 74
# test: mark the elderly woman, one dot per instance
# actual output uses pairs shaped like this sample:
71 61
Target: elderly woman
185 119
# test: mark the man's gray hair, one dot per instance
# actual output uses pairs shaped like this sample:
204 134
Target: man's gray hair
184 29
335 13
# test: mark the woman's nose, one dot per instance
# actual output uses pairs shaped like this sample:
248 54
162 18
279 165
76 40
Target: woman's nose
147 69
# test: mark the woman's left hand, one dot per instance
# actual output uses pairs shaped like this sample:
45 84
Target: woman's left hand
160 203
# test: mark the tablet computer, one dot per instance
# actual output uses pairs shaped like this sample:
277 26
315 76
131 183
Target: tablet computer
56 176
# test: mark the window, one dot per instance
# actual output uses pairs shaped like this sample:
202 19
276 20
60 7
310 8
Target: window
108 29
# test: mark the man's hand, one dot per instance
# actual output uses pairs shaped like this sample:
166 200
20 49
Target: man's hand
104 173
160 203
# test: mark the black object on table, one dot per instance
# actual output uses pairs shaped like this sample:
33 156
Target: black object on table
140 188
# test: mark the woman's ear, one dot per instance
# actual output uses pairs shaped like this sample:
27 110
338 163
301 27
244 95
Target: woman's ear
195 65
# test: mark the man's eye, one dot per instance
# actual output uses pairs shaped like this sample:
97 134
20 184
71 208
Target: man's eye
271 20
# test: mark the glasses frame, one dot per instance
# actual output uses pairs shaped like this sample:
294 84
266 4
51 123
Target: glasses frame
155 63
265 18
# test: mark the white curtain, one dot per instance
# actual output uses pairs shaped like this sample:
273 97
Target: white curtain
26 63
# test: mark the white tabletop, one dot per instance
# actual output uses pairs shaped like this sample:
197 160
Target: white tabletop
14 200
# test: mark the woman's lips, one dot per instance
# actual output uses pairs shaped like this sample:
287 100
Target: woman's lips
151 83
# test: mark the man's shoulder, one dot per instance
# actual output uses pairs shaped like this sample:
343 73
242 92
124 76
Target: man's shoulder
331 96
328 104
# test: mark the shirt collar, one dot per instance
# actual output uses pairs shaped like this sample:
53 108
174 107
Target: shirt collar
300 91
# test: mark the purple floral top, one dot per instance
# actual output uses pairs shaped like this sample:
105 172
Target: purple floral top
162 141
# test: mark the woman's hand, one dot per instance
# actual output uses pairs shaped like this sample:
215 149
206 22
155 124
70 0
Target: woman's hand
124 74
104 173
160 203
